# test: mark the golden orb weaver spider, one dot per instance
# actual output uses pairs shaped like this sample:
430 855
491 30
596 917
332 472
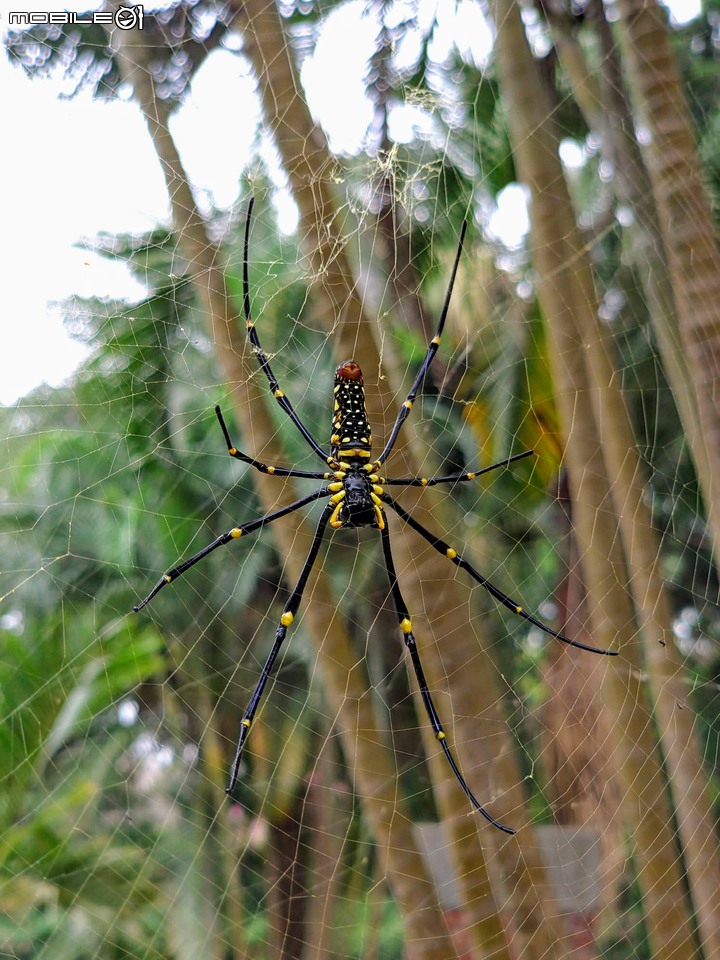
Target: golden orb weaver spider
356 497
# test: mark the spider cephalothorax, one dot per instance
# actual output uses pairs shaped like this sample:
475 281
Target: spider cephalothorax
355 498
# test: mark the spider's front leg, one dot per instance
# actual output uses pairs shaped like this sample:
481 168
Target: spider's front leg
288 615
411 645
432 349
252 333
263 467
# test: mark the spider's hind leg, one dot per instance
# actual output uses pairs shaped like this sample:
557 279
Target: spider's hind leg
446 550
288 615
411 645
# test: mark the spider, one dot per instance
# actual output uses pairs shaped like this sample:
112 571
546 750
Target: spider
356 498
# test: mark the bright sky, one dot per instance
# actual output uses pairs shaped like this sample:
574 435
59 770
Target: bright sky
73 169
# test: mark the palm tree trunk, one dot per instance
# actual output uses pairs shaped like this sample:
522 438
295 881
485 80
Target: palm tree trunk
218 850
633 187
668 680
607 112
286 878
345 678
667 676
686 221
329 811
486 746
564 292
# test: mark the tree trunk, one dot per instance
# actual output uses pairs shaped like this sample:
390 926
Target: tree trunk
668 678
633 187
328 812
344 676
686 221
608 114
286 878
485 747
564 292
582 781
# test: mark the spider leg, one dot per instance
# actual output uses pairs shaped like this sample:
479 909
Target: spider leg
288 615
227 537
262 358
406 627
425 365
262 467
451 477
447 551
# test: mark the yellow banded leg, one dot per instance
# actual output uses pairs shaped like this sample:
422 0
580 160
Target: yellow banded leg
411 646
446 550
288 615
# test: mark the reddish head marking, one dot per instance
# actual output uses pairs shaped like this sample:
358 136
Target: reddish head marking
349 370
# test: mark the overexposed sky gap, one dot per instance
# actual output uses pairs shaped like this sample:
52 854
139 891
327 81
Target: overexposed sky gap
76 168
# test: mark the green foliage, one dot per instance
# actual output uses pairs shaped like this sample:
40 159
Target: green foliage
60 743
113 474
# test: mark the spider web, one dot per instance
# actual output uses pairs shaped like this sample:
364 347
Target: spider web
347 834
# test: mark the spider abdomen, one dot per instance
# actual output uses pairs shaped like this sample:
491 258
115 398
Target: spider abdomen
351 437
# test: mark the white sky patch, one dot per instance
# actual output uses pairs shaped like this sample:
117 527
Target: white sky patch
471 24
683 11
341 56
510 222
79 167
462 24
214 133
572 154
406 121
